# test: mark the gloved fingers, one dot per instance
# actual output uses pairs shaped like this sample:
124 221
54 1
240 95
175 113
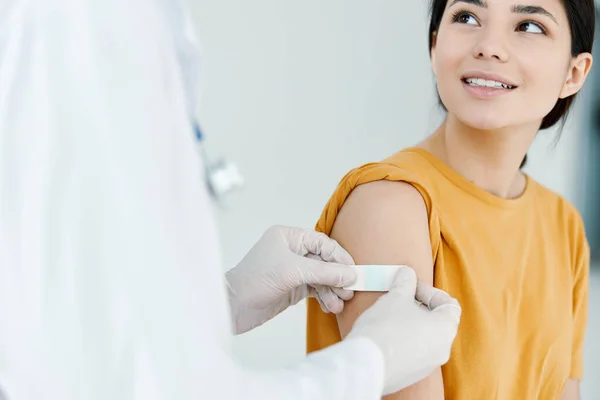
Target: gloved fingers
329 249
314 257
313 271
405 283
343 293
303 242
298 294
328 299
294 238
314 294
450 310
438 301
430 296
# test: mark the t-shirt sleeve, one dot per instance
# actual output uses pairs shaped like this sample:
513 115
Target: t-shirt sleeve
322 329
378 172
581 276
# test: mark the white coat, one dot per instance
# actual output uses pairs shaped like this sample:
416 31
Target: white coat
110 280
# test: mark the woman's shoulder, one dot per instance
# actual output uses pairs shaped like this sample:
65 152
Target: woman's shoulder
402 178
556 204
408 165
565 215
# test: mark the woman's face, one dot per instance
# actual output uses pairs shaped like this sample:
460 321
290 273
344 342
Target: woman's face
502 63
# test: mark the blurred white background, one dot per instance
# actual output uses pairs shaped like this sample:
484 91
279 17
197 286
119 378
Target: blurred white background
298 93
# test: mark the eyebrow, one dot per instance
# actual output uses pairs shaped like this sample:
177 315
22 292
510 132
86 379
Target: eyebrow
478 3
519 9
533 10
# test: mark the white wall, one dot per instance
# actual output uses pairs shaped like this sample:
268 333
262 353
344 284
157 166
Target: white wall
297 93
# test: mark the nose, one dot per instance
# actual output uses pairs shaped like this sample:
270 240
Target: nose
491 46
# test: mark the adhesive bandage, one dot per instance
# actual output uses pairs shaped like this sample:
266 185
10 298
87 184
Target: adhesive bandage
374 278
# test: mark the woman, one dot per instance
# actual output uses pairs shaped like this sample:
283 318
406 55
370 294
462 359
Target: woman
458 209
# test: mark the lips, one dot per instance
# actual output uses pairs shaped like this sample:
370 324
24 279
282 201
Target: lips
491 80
488 83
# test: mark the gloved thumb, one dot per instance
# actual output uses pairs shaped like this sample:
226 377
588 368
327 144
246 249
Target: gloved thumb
405 283
317 272
439 301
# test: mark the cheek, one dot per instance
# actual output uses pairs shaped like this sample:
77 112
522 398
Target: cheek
544 77
448 59
449 86
447 55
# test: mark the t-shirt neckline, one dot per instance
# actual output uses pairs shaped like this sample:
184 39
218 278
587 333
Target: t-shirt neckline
469 186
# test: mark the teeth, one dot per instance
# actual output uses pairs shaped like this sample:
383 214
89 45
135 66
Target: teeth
487 83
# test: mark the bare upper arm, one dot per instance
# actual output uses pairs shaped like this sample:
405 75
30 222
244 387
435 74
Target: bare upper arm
571 391
386 223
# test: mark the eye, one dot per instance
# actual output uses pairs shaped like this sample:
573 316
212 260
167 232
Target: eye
531 27
464 17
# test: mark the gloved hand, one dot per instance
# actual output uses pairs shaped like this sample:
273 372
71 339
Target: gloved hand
415 336
284 267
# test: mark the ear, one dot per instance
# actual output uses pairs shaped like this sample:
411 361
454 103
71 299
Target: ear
579 69
432 52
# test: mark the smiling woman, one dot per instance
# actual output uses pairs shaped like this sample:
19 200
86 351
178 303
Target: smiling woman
578 20
458 209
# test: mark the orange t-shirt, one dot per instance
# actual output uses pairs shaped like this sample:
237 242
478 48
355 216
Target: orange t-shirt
519 268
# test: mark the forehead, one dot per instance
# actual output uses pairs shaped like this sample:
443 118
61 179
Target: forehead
553 9
554 5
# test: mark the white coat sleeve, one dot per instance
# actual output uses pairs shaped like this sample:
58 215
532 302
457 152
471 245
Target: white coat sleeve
110 285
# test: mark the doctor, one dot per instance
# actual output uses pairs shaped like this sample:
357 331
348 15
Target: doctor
109 271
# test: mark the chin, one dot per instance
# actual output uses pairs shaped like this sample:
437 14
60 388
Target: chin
482 121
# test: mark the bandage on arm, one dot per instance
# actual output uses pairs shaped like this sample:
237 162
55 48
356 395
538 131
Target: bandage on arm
374 278
386 223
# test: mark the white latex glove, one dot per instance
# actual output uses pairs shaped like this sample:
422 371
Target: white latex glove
415 336
284 267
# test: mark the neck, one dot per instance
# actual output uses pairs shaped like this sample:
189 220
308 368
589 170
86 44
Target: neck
489 159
